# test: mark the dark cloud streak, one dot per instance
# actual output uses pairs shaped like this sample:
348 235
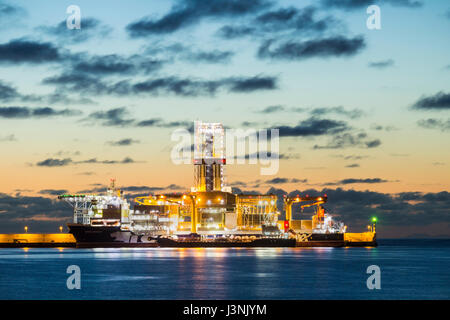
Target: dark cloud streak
323 48
439 101
187 13
15 112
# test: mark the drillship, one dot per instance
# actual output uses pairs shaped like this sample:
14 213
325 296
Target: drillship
210 215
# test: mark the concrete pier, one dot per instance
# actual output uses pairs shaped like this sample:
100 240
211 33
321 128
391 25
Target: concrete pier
42 240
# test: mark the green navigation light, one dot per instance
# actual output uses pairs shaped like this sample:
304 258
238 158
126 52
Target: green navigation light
374 219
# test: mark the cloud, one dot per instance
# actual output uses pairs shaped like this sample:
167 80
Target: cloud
28 51
149 123
351 157
113 64
51 162
10 93
120 117
125 160
272 109
313 127
41 214
151 189
8 9
188 87
186 53
322 48
214 56
373 143
88 84
353 181
316 112
265 155
79 82
353 165
352 114
7 92
382 64
358 4
285 180
233 32
123 142
177 86
90 28
293 18
86 173
187 13
279 22
53 192
387 128
252 84
443 125
368 180
8 138
439 101
142 189
112 117
347 140
44 112
10 12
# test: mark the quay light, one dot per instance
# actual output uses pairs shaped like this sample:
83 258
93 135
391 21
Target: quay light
26 229
60 229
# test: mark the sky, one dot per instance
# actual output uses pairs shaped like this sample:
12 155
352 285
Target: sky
363 114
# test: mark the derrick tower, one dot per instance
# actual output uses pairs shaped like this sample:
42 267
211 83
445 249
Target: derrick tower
209 157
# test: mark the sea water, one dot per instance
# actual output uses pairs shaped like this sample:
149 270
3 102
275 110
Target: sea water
409 269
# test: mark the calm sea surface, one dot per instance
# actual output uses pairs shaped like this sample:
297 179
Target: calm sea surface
410 269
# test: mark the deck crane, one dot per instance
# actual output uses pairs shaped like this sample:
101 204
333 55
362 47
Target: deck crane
316 201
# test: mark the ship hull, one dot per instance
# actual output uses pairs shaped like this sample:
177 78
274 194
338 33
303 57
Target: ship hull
107 237
114 237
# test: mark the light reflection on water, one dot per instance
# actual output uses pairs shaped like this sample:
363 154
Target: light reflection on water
414 272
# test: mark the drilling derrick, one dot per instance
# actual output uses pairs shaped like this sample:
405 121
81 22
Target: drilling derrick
209 157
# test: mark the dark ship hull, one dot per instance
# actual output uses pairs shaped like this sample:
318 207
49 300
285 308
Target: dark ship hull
107 237
114 237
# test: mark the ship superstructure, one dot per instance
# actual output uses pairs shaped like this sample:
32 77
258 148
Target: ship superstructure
209 210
